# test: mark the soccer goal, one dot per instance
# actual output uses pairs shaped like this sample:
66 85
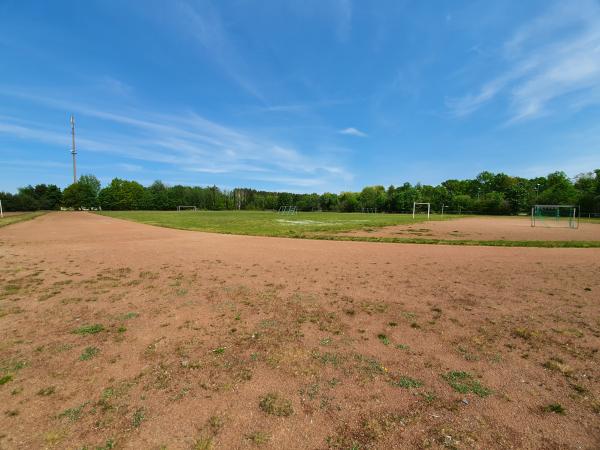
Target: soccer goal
186 208
369 210
559 216
287 209
419 208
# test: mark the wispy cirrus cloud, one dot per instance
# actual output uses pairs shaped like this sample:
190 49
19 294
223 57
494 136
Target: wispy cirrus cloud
353 132
185 142
553 60
203 22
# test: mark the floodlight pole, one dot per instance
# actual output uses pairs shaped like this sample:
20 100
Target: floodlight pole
73 150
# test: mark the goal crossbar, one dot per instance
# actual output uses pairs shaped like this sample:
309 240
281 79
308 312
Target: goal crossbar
287 209
186 207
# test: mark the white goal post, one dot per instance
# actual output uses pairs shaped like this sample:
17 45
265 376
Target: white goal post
421 203
1 211
184 208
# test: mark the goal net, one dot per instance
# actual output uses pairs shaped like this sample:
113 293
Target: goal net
421 209
186 208
560 216
287 209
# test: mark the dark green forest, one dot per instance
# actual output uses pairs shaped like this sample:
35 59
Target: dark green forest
488 193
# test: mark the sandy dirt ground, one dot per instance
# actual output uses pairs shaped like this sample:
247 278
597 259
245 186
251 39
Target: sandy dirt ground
115 334
487 228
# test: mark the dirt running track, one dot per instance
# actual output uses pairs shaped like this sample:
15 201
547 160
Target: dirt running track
120 335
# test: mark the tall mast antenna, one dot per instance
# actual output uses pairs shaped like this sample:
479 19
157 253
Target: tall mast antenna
73 150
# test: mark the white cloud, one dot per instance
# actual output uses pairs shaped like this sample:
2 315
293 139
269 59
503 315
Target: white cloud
554 58
344 19
181 142
353 132
204 24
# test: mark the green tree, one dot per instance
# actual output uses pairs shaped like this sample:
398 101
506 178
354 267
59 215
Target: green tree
124 195
79 195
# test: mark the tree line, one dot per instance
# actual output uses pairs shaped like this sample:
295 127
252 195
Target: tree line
488 193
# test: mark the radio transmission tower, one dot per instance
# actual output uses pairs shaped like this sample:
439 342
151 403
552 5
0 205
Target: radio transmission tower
73 150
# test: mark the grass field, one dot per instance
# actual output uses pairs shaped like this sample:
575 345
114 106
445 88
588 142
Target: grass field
328 226
10 219
266 223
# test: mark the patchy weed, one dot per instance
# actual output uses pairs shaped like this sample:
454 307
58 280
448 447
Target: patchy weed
464 383
89 329
258 437
383 339
89 353
407 383
45 392
272 403
556 408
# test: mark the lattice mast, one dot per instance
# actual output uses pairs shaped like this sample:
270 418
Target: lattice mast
73 149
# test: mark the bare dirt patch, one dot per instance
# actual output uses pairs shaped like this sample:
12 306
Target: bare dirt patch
115 334
486 229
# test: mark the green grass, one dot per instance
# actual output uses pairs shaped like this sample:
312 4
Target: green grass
489 243
556 408
383 339
276 405
9 220
464 383
266 223
89 329
89 353
315 225
407 383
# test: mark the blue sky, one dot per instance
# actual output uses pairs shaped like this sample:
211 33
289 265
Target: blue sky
298 95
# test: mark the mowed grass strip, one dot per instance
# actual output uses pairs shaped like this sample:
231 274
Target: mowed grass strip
268 223
9 220
476 242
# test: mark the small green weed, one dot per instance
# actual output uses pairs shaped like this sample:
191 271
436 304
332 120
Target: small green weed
464 383
407 383
384 339
258 437
138 417
129 315
89 329
325 341
556 408
272 403
203 443
89 353
72 414
44 392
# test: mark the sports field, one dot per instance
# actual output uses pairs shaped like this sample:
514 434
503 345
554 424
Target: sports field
268 223
116 334
392 228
